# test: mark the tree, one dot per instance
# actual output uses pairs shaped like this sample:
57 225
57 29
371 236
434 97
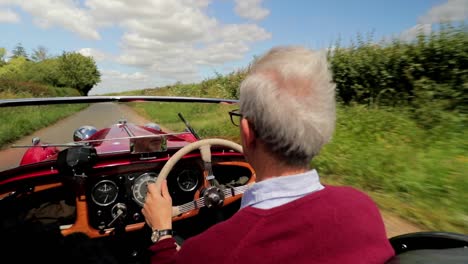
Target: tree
45 72
40 54
19 51
15 69
2 56
78 71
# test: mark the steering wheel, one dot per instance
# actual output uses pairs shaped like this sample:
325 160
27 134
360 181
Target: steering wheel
204 146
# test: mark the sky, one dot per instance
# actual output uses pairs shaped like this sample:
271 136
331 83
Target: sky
141 44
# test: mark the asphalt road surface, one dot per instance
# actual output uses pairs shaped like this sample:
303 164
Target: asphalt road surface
98 115
105 114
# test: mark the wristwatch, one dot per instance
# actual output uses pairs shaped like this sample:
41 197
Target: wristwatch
157 234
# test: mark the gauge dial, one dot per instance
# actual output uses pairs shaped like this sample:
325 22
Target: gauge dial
140 188
104 192
187 180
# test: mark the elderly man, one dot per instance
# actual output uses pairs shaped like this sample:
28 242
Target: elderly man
287 113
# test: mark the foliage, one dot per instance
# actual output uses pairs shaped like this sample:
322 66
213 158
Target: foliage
15 69
208 120
71 69
429 74
416 172
78 71
19 51
39 54
19 122
44 72
15 89
2 56
219 87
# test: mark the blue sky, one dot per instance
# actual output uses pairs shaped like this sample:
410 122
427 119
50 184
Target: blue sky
150 43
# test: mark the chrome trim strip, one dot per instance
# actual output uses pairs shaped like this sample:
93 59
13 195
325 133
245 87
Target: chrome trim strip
102 99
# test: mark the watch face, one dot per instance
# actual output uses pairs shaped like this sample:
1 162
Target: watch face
155 236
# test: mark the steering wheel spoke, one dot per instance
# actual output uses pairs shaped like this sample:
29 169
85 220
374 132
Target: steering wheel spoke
213 195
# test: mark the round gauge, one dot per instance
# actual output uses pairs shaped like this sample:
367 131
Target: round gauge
104 192
140 187
187 180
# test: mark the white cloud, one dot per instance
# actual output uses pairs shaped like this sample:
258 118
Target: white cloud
251 9
8 16
112 74
115 81
66 14
411 33
97 55
174 44
452 10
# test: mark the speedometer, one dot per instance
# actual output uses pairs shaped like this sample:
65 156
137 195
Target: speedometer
140 186
187 180
104 192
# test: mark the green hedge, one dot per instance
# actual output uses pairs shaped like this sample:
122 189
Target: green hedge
19 89
429 74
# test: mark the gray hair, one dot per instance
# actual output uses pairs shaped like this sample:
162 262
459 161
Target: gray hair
289 98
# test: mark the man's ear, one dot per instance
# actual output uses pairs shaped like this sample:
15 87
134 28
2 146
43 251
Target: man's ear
248 134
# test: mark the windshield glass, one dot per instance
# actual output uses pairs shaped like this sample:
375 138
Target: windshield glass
110 124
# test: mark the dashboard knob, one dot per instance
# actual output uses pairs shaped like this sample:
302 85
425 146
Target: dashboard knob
136 216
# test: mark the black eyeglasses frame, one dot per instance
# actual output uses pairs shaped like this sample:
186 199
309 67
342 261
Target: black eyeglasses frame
235 113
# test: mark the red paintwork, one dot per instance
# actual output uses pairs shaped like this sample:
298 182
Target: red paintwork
37 154
31 174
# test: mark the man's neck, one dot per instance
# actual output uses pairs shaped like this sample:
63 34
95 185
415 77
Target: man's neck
270 167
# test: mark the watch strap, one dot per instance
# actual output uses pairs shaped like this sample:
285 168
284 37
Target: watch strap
157 234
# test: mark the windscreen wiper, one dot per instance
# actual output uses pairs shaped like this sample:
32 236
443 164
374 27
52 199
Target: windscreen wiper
189 127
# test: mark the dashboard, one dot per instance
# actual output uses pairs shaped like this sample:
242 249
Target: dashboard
118 197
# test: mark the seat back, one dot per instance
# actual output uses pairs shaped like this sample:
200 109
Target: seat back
428 240
430 248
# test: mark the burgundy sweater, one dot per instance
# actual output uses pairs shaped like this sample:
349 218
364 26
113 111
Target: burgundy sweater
334 225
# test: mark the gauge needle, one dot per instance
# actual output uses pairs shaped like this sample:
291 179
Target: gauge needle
105 200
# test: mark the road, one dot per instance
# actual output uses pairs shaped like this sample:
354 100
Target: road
106 114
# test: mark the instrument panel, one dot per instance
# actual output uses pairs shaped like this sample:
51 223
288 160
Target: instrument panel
126 193
116 196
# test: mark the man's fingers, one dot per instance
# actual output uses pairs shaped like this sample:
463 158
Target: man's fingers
158 187
151 188
165 190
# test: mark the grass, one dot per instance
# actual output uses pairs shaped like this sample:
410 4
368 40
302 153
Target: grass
417 173
209 120
17 122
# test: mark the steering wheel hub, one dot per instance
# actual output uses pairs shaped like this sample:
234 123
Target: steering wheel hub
213 197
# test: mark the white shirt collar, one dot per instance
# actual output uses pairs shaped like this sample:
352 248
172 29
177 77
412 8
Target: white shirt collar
280 190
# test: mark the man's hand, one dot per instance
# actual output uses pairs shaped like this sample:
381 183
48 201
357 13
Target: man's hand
158 207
